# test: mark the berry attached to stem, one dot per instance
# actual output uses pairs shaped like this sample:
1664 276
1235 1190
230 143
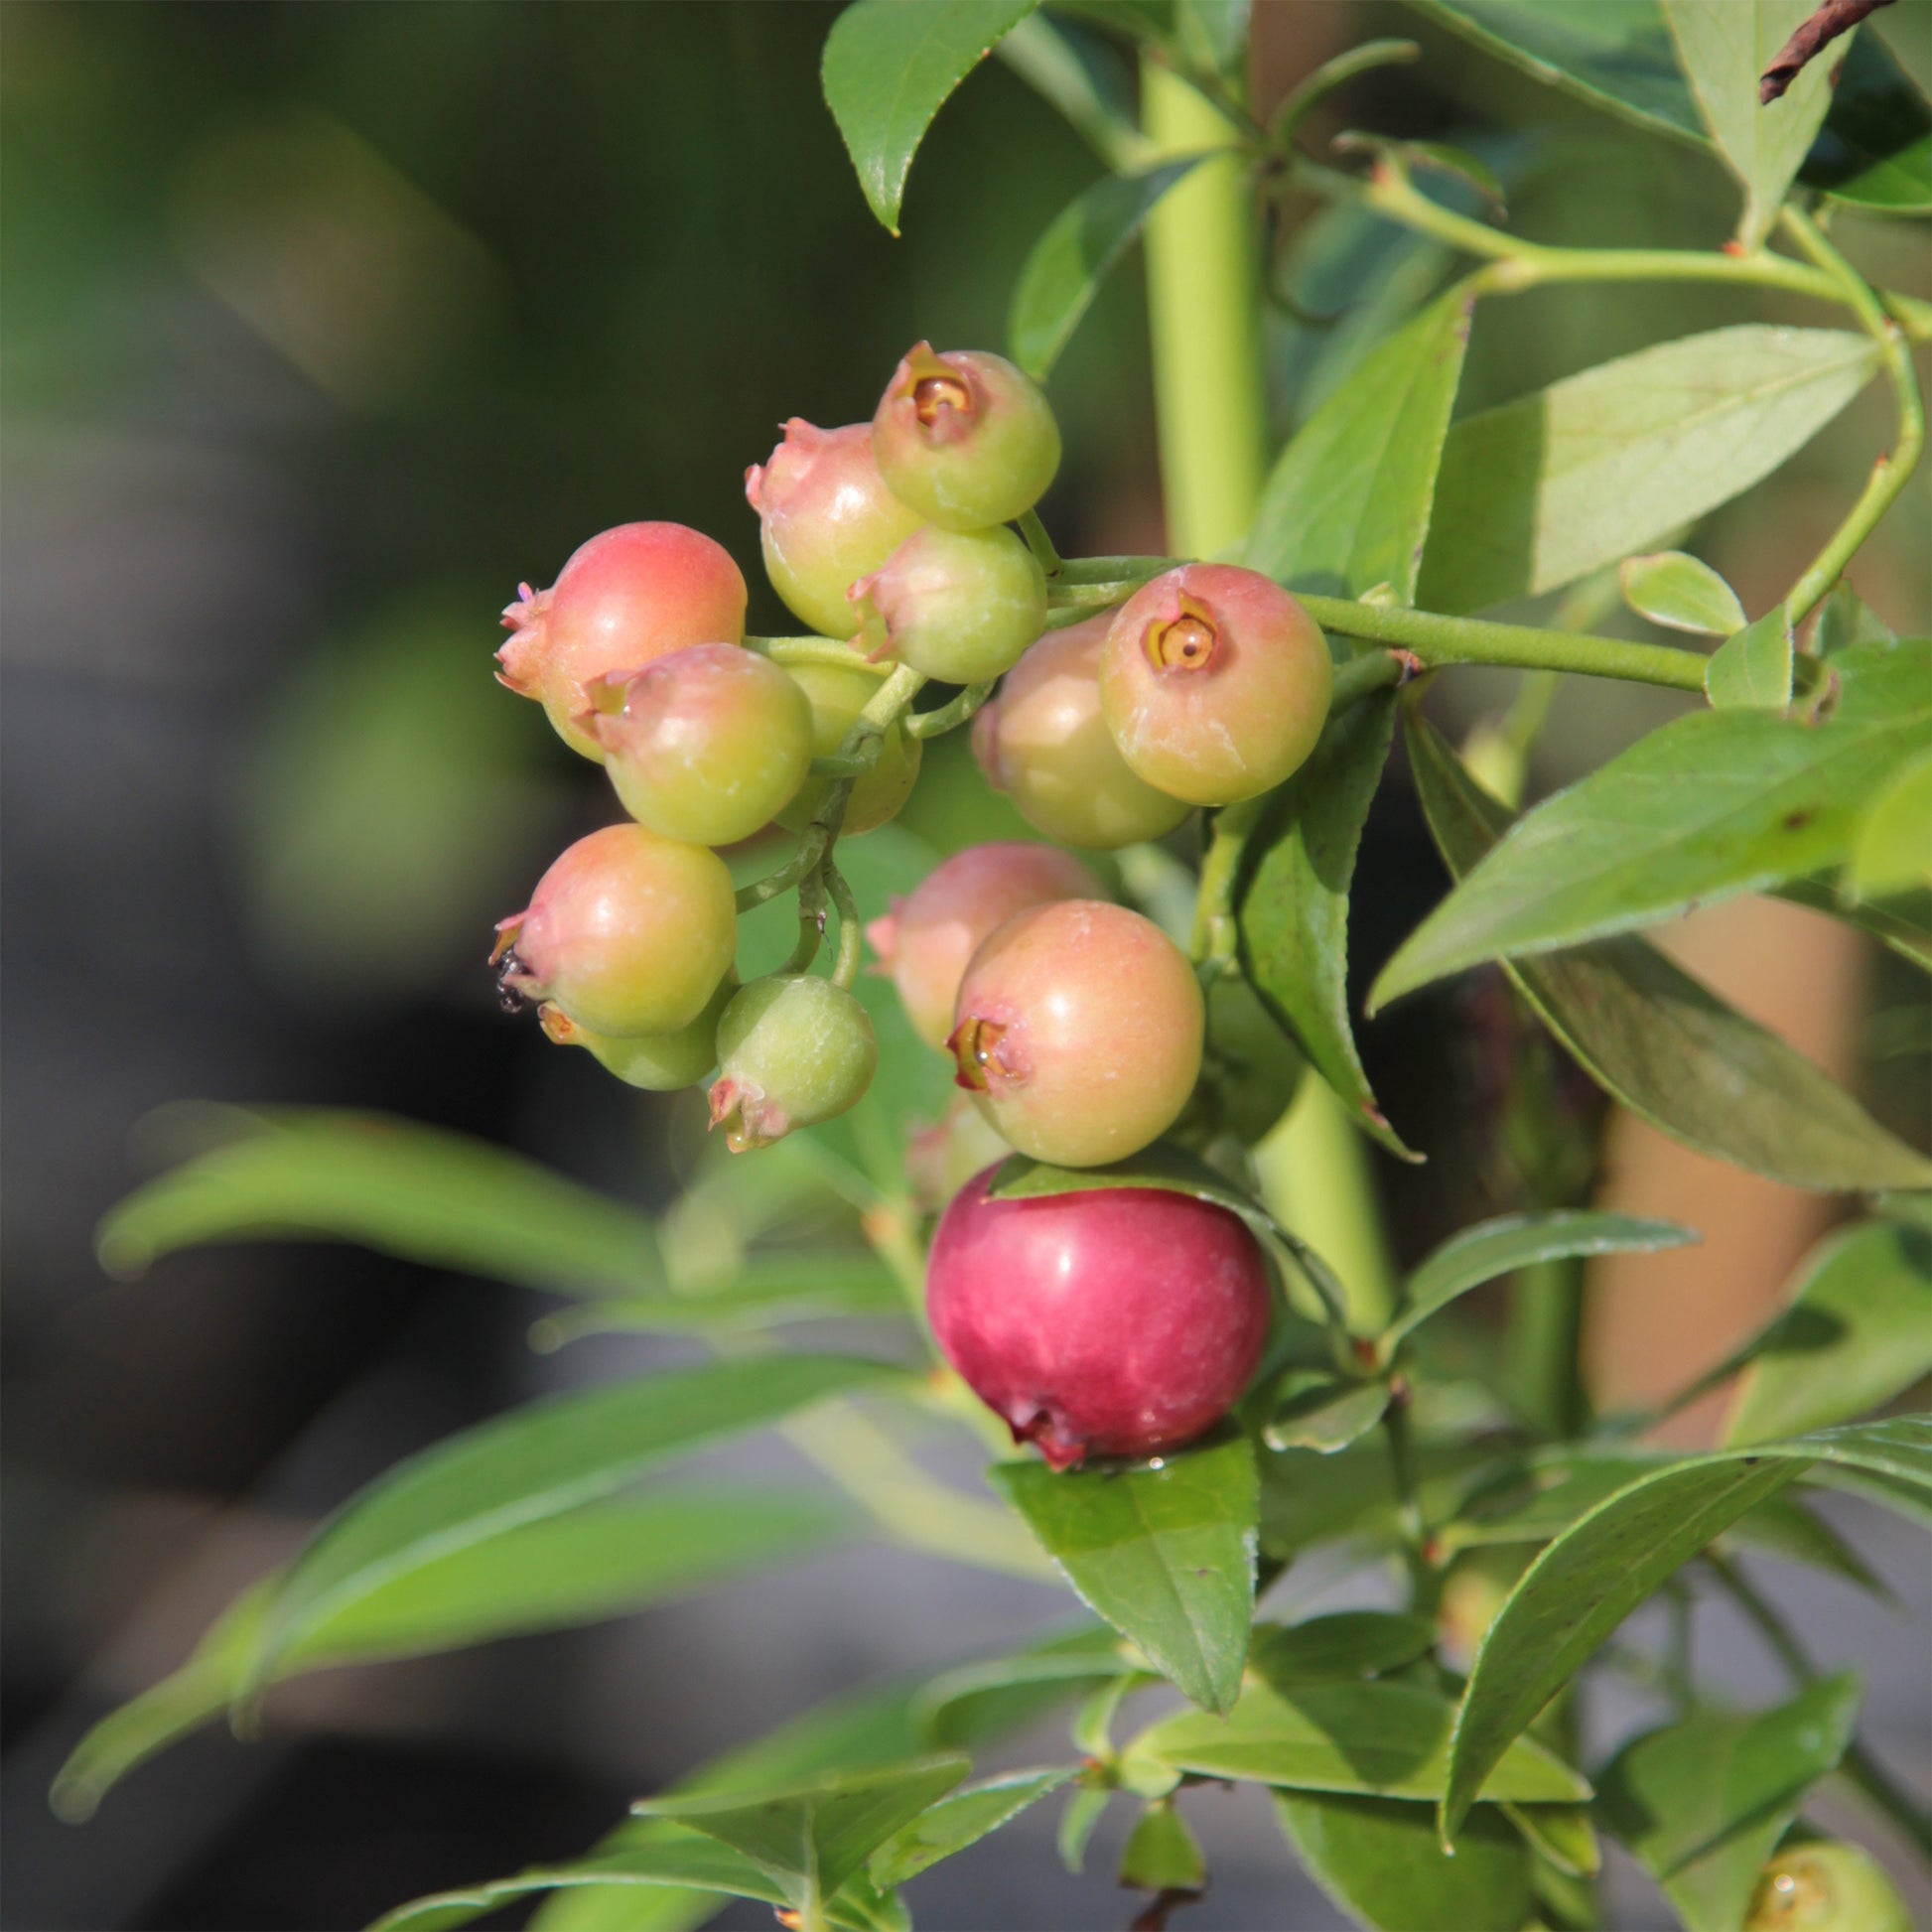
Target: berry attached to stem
1122 1323
1078 1030
707 744
625 598
1214 683
792 1050
826 518
837 696
658 1063
960 606
965 438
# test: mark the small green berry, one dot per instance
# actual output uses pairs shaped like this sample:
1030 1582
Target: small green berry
792 1052
658 1063
960 606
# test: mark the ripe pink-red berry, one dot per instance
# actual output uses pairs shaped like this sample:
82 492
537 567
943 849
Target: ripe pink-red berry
965 438
1119 1322
625 598
627 932
1214 683
927 937
1078 1030
826 518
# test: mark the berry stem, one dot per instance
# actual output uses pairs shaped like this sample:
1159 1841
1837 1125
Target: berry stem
845 969
811 925
1038 542
930 724
815 650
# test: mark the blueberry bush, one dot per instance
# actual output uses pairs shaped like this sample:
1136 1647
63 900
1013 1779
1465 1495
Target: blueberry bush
1040 1148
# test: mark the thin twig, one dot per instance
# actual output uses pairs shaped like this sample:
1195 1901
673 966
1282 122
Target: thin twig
1834 18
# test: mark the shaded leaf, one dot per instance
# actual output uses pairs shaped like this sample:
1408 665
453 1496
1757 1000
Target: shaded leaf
1382 1738
537 1462
1876 147
1083 79
1892 852
1063 270
1491 1248
1381 1863
962 1818
1324 1413
1703 1802
1600 465
1664 1045
1753 668
890 66
962 1706
1160 1854
1724 45
1165 1552
1681 593
1785 1527
1857 1332
1562 1834
1901 924
441 1198
1845 619
1702 809
1347 506
1083 1812
1343 1644
1294 911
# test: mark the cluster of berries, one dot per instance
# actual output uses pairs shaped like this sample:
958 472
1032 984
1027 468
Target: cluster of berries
1075 1024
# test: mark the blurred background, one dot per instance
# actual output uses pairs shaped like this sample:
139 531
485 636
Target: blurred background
325 325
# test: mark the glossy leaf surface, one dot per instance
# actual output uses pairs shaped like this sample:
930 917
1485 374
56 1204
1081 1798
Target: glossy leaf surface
1164 1554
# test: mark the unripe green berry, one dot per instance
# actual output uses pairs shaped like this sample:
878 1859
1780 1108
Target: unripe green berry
826 518
1214 683
965 438
1044 743
628 933
658 1062
706 745
960 606
837 696
1078 1030
792 1052
625 598
927 937
1831 1886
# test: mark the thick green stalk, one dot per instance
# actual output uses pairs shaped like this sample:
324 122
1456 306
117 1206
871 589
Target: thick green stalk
1204 306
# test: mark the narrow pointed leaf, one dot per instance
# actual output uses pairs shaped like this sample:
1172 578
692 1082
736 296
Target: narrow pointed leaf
1073 256
1343 1644
1324 1413
1892 852
1380 1738
962 1706
1347 506
1662 1043
1681 593
1562 1834
535 1462
1752 670
961 1819
1380 1862
1857 1332
1293 913
1083 1812
1165 1553
1601 465
1512 1241
1707 807
889 65
429 1195
1161 1854
1703 1802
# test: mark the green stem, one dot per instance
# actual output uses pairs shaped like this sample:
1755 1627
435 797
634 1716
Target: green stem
1215 940
1038 542
845 969
811 925
815 650
1425 1581
930 724
1858 1764
1890 472
1546 1318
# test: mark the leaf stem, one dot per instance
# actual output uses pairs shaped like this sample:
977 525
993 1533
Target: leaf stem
1424 1583
1038 542
1858 1764
1216 939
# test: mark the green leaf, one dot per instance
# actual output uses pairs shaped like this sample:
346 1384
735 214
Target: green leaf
1664 1045
1725 45
961 1707
812 1838
1084 1807
1752 670
1681 593
1709 806
890 66
437 1197
959 1820
1161 1854
1343 1644
1703 1802
1561 1834
1079 247
1347 506
1491 1248
1601 465
535 1462
1380 1862
1084 79
1324 1413
1858 1331
1293 913
1784 1527
1892 852
1902 923
1876 147
1845 619
1165 1552
1381 1738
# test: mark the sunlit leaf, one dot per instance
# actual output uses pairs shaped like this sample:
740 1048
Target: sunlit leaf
1752 670
960 1819
1681 593
1892 852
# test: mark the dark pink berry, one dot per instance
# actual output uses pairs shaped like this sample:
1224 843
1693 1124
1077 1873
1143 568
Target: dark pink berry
1122 1321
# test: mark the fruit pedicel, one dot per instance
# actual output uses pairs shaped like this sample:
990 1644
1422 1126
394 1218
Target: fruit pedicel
1109 700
